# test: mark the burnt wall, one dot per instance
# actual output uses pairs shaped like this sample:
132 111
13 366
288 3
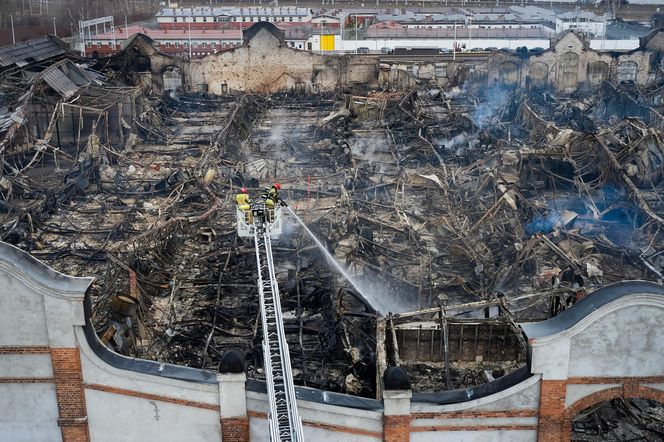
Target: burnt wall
466 341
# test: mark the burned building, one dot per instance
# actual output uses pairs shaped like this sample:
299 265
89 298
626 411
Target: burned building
491 230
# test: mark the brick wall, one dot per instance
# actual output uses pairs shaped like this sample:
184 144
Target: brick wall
70 394
630 388
75 433
235 429
396 428
555 421
551 426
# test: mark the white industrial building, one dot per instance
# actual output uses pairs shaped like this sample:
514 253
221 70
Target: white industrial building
233 14
582 21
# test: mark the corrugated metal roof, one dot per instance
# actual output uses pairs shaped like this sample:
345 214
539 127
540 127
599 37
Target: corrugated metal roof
11 119
59 81
28 52
65 78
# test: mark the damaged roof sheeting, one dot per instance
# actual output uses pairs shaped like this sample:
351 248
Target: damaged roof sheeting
12 120
65 78
31 51
7 117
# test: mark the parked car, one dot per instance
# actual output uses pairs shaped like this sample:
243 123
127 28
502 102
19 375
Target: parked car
362 50
536 50
385 50
491 49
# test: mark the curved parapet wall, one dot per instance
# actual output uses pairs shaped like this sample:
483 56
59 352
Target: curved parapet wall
613 332
607 345
40 389
568 319
473 393
26 267
58 382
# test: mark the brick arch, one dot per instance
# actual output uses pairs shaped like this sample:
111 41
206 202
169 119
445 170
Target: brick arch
590 400
627 391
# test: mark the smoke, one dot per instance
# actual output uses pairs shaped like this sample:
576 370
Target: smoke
289 230
384 297
374 151
544 223
284 128
495 98
607 213
278 137
459 144
467 136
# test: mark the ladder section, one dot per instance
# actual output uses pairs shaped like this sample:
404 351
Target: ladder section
285 424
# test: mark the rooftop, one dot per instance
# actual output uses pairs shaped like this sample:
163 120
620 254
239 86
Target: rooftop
232 11
164 34
580 16
460 33
31 51
522 14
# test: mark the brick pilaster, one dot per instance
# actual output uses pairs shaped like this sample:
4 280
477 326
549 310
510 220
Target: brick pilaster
68 378
233 407
396 428
551 427
396 415
235 429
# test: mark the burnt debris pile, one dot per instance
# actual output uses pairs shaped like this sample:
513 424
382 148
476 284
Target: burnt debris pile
458 214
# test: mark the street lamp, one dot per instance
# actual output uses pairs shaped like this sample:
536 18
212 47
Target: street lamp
55 31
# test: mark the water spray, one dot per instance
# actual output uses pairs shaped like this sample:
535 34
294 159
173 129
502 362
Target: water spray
369 298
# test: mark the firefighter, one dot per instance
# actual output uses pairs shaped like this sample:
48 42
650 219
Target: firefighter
272 197
244 203
242 199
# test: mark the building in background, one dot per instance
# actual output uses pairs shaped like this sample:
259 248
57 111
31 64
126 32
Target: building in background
181 42
206 18
582 21
185 43
199 31
327 20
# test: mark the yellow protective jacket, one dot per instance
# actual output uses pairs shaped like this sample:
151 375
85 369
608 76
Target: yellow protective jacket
242 199
273 194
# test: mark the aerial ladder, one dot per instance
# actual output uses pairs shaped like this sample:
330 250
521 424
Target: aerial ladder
262 223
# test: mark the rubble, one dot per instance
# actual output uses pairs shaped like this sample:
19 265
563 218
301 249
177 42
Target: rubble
619 420
461 214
